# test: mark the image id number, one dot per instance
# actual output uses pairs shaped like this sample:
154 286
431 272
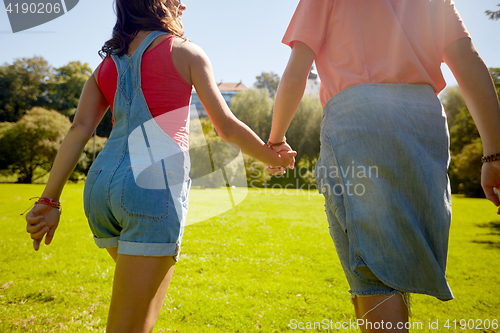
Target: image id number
34 8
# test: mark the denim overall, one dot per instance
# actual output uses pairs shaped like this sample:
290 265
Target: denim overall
136 192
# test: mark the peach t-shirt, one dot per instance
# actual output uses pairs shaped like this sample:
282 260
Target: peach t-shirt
376 41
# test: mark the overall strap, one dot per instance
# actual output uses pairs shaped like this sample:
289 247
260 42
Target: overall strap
131 67
137 56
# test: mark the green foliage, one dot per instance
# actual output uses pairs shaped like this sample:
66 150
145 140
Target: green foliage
269 81
304 130
204 160
463 132
257 176
303 137
4 126
254 108
495 74
32 143
85 161
23 85
465 143
251 269
106 125
493 15
31 82
66 88
453 102
466 167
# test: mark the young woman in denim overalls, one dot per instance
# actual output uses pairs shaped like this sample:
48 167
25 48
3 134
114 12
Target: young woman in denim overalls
379 64
136 192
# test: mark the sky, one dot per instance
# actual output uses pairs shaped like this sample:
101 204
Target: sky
241 38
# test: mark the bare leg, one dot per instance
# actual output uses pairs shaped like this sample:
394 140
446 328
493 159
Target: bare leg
393 310
139 288
113 252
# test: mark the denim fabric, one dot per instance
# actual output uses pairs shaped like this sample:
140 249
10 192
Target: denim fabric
136 192
383 171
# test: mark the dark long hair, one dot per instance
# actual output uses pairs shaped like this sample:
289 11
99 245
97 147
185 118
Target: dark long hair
135 15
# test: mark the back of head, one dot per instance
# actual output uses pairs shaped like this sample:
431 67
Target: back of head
133 16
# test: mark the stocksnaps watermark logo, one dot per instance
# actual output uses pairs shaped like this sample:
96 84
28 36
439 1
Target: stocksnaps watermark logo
28 14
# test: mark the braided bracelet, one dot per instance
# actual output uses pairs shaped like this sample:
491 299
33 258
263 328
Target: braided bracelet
45 201
272 144
490 158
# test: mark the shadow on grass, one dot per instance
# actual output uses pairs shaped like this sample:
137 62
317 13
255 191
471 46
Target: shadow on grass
42 296
494 231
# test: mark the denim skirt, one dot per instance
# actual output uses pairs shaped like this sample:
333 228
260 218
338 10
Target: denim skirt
383 171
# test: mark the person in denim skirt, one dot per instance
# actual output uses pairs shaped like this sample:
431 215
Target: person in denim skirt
384 139
136 192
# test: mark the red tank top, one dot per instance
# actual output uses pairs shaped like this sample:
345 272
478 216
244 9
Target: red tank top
166 92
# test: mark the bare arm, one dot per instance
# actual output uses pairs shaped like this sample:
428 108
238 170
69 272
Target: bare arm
91 109
226 124
291 89
479 92
481 98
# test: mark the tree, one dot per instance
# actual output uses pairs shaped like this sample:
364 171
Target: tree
493 15
106 125
31 82
29 147
23 85
453 101
211 157
254 108
269 81
466 148
85 161
304 130
495 74
4 127
465 168
67 86
463 132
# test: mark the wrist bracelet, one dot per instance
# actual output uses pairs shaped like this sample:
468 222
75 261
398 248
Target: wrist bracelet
490 158
273 144
45 201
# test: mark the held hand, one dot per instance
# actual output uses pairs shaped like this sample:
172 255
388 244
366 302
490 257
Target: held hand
281 149
286 147
287 157
490 179
39 226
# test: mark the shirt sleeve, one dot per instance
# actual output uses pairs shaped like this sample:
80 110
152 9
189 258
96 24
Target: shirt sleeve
454 26
309 24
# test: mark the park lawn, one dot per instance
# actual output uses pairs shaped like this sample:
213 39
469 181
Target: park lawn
261 266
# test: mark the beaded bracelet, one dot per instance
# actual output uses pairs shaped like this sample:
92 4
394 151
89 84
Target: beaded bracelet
45 201
491 158
272 144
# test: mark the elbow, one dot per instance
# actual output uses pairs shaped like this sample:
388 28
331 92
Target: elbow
292 82
226 133
226 127
82 131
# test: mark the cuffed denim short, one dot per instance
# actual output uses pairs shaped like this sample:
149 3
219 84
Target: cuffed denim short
383 171
140 221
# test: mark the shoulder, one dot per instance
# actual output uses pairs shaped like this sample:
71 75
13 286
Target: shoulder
189 50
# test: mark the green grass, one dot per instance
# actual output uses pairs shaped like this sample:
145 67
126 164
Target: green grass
253 268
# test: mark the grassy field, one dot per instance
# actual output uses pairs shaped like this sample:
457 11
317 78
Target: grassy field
266 264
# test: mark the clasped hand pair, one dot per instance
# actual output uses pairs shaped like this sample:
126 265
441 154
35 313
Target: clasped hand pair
275 171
